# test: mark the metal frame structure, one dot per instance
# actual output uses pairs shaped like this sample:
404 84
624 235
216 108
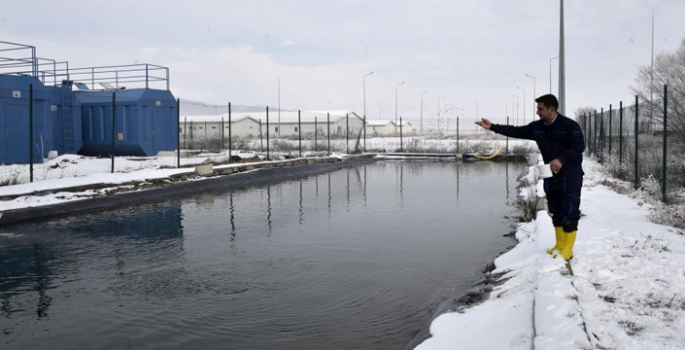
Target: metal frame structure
14 60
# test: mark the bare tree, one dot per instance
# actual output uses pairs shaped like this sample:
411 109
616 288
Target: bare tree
669 69
581 111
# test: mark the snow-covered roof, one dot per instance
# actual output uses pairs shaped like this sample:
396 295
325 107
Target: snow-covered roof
286 117
379 122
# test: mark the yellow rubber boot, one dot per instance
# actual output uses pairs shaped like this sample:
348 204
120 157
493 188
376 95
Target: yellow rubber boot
566 252
560 234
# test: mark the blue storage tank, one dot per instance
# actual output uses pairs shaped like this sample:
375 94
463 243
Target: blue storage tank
56 124
146 122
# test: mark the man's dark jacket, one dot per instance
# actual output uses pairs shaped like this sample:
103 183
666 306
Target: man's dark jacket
562 140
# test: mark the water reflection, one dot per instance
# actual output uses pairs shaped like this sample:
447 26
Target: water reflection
41 261
301 208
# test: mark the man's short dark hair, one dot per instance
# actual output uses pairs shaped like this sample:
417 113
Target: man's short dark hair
548 100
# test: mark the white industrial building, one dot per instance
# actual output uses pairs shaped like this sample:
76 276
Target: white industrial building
248 125
380 128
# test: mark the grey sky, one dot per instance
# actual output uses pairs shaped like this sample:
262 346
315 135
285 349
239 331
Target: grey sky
468 50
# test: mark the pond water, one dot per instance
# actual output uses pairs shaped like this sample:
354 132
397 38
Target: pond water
354 259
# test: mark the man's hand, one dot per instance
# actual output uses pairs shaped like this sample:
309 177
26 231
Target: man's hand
555 165
484 123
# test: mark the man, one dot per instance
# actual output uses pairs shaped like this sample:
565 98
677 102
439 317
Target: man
561 143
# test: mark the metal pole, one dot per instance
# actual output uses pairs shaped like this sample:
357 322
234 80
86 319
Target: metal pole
230 133
267 132
457 135
601 136
611 112
594 136
178 133
507 149
261 139
562 62
316 136
637 175
328 131
114 113
620 133
663 170
31 133
401 144
299 132
347 132
364 127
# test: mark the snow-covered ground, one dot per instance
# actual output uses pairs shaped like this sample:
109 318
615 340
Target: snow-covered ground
627 290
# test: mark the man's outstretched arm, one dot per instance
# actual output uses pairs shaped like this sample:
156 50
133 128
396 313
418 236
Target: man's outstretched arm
519 132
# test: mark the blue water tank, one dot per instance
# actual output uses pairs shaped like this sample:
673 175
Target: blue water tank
146 122
56 124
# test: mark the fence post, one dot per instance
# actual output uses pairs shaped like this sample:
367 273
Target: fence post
364 126
457 135
31 133
594 136
401 145
328 131
637 114
114 113
663 170
178 133
316 135
261 139
347 133
507 142
620 133
267 132
230 133
299 131
601 136
611 111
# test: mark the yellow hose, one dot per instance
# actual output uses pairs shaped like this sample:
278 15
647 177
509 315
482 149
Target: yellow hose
499 149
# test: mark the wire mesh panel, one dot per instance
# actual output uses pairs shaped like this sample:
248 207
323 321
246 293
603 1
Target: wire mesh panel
641 142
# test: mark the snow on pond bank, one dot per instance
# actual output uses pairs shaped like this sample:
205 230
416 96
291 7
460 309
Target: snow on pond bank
627 291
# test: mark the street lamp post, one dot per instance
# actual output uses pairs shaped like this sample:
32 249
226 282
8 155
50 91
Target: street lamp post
550 73
517 108
534 94
396 86
421 122
524 103
562 62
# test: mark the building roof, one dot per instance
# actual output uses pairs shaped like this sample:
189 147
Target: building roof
287 117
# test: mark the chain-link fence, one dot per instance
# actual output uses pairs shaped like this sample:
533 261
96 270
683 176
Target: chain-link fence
643 143
223 129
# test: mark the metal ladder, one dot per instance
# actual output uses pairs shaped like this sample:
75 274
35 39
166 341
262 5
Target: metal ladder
68 116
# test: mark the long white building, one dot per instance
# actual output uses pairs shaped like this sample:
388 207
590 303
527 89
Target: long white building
249 125
380 128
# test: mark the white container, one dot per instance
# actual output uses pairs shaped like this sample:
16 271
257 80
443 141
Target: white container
545 171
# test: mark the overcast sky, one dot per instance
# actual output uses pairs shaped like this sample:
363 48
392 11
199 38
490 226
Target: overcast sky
467 50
